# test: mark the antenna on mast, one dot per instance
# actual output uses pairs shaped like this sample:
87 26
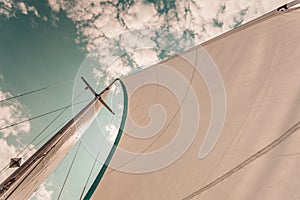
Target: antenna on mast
98 95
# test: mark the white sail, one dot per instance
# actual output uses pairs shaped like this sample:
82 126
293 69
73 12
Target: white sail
256 153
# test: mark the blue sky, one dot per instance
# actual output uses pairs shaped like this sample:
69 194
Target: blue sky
46 42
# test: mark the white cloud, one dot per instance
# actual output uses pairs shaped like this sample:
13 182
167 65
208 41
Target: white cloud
6 8
33 10
99 23
22 7
4 12
43 193
7 3
12 112
141 14
45 18
54 5
112 132
113 28
145 57
116 69
98 75
7 152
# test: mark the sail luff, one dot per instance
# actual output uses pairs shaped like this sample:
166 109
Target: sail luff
98 178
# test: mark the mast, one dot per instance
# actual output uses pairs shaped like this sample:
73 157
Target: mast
27 178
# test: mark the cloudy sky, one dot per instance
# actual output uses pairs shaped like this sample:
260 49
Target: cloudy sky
46 42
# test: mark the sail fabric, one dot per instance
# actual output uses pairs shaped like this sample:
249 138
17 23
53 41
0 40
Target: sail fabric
231 132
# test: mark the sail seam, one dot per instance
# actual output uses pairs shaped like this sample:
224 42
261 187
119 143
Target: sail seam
248 161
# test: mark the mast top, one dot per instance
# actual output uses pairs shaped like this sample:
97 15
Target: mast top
88 86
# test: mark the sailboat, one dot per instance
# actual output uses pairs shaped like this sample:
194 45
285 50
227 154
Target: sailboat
218 121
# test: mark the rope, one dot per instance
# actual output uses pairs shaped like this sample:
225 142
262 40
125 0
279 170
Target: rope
42 131
36 90
69 170
92 169
30 149
45 153
24 94
44 114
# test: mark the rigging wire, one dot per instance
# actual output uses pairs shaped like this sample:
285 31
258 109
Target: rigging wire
36 90
69 170
42 159
91 171
41 115
30 149
43 130
39 134
43 139
53 122
112 120
23 94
